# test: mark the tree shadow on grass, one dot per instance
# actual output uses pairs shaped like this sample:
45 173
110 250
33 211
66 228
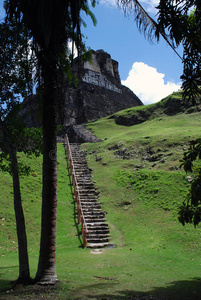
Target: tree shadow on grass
4 284
31 292
177 290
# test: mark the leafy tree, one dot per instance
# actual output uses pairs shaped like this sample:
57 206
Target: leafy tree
51 24
15 137
15 77
179 22
182 20
190 210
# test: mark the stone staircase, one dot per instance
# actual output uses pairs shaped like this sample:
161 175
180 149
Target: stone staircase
95 230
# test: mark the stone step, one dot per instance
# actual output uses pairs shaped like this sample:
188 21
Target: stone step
97 230
98 245
94 209
84 187
90 207
87 183
80 166
83 171
87 191
76 158
84 177
96 234
94 220
88 195
97 240
94 213
98 225
91 212
94 216
90 199
85 196
90 204
83 180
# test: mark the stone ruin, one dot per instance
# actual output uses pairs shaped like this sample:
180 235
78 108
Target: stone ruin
98 94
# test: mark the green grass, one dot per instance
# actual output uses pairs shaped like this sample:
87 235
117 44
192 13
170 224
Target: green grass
141 187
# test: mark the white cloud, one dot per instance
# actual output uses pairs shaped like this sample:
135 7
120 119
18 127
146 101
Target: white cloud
108 2
148 5
148 84
75 52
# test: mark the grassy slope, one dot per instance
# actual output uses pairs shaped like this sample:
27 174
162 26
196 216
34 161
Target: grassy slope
154 254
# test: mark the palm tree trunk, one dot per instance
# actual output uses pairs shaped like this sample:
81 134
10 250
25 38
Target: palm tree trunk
46 272
24 273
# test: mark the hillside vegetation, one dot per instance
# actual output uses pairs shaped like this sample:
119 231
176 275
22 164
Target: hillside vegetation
137 172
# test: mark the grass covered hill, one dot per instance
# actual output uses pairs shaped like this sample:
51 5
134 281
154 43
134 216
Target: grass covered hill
137 172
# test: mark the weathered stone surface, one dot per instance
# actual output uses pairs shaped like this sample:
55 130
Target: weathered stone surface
89 102
79 134
98 94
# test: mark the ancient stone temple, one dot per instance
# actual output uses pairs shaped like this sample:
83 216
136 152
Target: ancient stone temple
99 92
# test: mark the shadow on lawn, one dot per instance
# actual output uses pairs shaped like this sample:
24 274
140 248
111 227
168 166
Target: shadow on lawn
177 290
5 283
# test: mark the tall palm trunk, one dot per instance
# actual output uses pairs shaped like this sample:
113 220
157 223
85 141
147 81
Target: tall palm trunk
24 273
46 272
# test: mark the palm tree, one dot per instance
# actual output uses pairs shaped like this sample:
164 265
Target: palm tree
51 24
146 25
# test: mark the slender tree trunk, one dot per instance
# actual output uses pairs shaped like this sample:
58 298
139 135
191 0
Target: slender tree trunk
24 273
46 272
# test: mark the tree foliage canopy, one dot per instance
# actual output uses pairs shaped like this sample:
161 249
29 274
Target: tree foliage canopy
181 21
190 210
16 65
178 22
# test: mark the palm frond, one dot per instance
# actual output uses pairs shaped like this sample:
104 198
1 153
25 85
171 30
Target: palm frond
144 21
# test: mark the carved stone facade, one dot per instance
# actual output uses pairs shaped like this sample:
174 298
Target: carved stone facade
97 95
99 80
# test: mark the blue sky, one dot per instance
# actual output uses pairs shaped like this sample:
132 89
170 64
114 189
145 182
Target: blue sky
152 71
